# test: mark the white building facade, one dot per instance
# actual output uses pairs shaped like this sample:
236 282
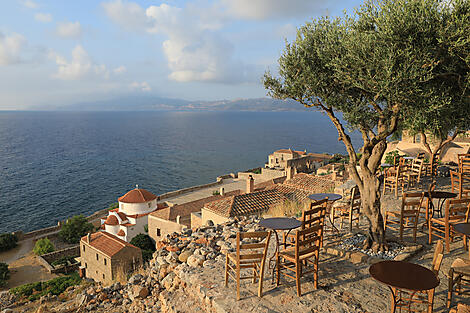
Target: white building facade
131 217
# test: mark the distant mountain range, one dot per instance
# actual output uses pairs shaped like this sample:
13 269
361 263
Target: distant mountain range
149 103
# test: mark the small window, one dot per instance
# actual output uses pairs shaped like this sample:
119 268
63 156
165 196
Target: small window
86 265
96 272
97 258
103 276
104 261
83 248
149 204
158 232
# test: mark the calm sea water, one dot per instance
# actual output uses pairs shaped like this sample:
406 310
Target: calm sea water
54 165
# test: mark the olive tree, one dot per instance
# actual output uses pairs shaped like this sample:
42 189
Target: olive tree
372 70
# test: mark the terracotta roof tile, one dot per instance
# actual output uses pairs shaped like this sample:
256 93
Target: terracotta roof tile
310 183
121 233
290 151
112 220
122 216
107 243
245 204
137 196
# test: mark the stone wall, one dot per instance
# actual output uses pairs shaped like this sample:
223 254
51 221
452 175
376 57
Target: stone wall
48 258
159 227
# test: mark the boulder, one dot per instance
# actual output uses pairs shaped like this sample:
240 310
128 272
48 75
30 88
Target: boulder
135 279
195 261
139 292
183 257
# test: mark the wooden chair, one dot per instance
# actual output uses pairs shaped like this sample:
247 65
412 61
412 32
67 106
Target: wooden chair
248 256
350 210
464 163
308 217
459 183
461 308
393 180
415 172
421 296
306 247
407 216
456 211
459 274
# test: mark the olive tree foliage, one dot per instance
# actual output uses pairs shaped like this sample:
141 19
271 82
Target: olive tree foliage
373 68
446 114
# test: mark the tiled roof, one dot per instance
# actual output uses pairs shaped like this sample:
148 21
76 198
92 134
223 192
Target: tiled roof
112 220
290 151
310 183
245 204
122 216
137 196
107 243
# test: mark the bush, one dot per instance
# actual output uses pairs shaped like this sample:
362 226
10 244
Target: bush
7 241
65 260
75 228
145 243
4 274
43 246
390 156
54 286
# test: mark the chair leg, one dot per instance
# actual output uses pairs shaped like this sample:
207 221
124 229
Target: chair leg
415 229
298 264
430 300
451 287
401 229
254 274
238 282
430 231
261 278
315 273
447 238
278 266
226 270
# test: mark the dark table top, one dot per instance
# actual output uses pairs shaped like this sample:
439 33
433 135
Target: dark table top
321 196
441 194
463 228
280 223
404 275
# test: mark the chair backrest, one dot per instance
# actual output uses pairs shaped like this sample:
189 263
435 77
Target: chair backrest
456 182
355 198
256 249
411 204
457 209
316 213
437 257
308 240
464 163
417 166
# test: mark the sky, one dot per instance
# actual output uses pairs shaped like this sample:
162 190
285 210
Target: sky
55 53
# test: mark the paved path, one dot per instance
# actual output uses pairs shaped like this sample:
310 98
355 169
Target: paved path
23 248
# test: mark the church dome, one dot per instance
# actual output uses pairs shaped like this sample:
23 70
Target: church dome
137 196
112 220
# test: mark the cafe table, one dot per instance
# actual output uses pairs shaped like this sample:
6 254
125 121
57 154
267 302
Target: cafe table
464 229
278 224
404 278
441 196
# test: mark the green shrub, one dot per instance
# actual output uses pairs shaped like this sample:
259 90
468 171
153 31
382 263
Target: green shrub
54 286
390 156
145 243
75 228
4 274
215 193
7 241
43 246
146 228
63 261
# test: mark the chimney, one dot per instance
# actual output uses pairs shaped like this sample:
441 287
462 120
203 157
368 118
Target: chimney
222 191
250 184
290 172
178 219
88 237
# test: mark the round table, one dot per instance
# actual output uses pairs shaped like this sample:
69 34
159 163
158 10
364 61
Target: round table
331 197
464 229
440 195
409 158
278 223
386 165
400 275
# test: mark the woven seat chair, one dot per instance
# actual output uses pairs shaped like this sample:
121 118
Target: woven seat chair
350 210
408 214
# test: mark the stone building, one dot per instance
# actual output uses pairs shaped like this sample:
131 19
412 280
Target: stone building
279 157
131 217
255 202
104 257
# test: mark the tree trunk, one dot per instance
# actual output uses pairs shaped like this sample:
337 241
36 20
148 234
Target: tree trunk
370 198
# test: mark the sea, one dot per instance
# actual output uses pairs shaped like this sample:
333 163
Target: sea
54 165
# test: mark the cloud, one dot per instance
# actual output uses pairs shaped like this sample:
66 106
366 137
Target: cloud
128 15
43 17
69 29
143 86
194 49
119 70
266 9
11 48
79 67
29 4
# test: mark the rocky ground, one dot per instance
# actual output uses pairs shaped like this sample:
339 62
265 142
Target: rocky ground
187 275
